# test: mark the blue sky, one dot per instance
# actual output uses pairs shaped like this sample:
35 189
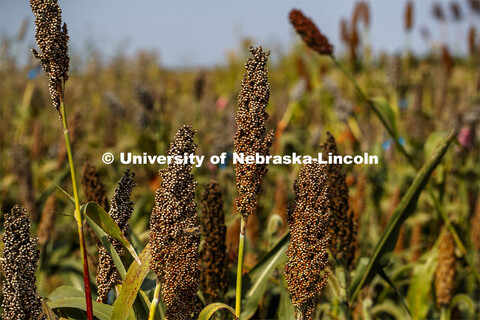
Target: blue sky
200 33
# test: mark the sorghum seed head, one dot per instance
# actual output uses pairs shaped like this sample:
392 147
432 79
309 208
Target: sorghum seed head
343 223
213 256
307 252
408 16
310 33
446 270
121 210
174 251
19 264
251 137
46 226
438 12
52 39
93 186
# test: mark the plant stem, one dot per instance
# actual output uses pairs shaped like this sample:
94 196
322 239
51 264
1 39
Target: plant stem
444 314
77 214
241 245
374 108
155 300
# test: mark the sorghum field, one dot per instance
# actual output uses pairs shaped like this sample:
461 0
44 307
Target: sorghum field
400 239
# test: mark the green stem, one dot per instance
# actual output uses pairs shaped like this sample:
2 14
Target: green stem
155 300
347 290
444 314
241 245
77 214
374 108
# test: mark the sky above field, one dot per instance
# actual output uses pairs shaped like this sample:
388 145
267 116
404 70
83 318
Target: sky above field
201 33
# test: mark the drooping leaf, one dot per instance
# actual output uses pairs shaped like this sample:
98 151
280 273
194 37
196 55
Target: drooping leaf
406 207
209 310
104 220
131 285
108 246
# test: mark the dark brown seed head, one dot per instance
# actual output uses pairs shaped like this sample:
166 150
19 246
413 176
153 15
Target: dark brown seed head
310 33
343 225
456 11
408 17
251 137
438 12
213 256
307 252
446 270
361 12
175 251
474 6
472 41
45 230
19 264
22 169
121 210
52 39
93 186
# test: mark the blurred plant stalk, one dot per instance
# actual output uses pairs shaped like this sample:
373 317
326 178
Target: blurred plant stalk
77 214
238 290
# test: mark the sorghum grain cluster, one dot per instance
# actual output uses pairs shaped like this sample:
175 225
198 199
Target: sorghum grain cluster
52 39
307 254
213 256
174 250
251 137
121 211
310 33
446 270
19 264
343 227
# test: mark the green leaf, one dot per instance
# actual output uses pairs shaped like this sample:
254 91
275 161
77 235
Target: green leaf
387 113
100 310
66 291
108 246
145 303
388 307
131 285
433 141
69 197
103 219
209 310
407 206
467 301
419 290
256 280
285 309
399 294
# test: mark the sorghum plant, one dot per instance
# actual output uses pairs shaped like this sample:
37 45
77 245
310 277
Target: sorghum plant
309 219
213 256
174 250
446 269
251 138
93 186
19 264
342 226
310 33
52 39
121 210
